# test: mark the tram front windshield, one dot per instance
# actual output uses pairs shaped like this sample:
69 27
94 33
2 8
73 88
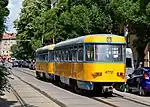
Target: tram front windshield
105 53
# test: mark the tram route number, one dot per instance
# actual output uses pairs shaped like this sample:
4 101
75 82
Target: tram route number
109 72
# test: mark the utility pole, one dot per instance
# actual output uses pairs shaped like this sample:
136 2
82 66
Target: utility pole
126 34
55 33
43 32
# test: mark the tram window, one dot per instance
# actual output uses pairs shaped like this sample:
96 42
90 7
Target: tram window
70 54
37 57
51 55
80 53
75 53
89 52
59 55
42 57
52 58
66 55
117 53
62 55
46 57
56 55
109 53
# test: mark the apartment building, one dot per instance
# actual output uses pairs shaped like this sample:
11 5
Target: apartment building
8 39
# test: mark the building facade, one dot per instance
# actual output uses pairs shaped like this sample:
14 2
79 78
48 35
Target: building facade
8 39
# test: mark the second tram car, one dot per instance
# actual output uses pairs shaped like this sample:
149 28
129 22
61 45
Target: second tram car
45 62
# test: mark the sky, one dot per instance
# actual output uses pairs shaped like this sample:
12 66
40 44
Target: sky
14 7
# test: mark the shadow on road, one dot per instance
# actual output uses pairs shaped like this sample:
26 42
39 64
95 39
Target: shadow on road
6 103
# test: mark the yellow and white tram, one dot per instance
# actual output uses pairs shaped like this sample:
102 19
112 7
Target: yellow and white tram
92 62
45 62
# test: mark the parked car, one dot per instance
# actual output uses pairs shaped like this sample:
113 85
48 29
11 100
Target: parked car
26 63
20 63
139 81
15 63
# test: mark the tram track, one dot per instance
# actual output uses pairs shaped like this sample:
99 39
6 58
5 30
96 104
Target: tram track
20 100
129 99
118 98
99 99
37 89
105 102
22 70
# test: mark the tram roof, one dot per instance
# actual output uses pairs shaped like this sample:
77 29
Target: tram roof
95 38
46 48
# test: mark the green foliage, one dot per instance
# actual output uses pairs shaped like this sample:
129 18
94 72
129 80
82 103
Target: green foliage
3 13
81 17
29 26
3 71
4 83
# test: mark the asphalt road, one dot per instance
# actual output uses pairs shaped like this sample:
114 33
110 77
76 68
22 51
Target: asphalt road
65 98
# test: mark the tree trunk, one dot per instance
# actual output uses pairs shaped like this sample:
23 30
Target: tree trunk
141 55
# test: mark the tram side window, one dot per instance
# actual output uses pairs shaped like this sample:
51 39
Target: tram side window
42 57
75 53
46 57
80 53
89 52
70 54
66 55
56 56
59 55
51 56
37 57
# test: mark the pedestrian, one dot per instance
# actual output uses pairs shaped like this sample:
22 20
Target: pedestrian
140 65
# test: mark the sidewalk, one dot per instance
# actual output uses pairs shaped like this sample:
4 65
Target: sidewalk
134 97
9 100
30 96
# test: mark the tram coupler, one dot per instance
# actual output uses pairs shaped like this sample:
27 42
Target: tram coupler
107 89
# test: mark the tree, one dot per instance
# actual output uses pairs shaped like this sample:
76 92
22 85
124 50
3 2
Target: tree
70 19
135 14
3 13
4 83
3 71
26 28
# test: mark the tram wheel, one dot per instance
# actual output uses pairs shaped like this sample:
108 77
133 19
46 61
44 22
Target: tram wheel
37 75
77 90
62 84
